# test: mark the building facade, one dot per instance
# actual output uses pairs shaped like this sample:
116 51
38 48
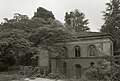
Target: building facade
79 54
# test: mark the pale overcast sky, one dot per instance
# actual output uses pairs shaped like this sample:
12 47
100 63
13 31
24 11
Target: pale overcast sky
91 8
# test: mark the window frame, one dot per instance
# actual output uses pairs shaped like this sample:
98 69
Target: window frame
92 49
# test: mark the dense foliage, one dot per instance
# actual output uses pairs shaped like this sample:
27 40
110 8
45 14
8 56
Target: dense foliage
44 14
29 72
112 21
22 36
79 21
112 26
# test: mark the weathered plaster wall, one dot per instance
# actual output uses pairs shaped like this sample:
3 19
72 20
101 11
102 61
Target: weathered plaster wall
43 59
85 64
104 47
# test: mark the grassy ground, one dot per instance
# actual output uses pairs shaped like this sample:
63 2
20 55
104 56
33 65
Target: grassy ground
9 76
12 76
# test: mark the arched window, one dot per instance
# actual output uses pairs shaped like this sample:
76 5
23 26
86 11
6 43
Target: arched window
92 50
77 51
64 51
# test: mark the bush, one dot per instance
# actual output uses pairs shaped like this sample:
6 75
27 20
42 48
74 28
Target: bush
53 76
57 76
29 71
3 67
14 68
96 74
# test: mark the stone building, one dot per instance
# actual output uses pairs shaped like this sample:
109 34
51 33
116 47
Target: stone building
78 54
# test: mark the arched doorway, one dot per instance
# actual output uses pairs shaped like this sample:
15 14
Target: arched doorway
78 71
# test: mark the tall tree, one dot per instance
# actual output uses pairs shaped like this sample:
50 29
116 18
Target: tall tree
43 13
112 21
18 21
13 43
79 21
45 17
16 41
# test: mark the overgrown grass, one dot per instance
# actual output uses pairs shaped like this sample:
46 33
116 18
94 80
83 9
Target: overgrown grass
9 76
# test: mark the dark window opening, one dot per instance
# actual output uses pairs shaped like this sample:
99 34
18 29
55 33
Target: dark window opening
77 51
64 53
92 64
64 67
92 50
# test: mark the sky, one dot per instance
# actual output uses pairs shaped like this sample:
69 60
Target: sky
91 8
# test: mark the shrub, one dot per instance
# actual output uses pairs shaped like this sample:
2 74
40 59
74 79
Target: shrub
57 76
96 74
3 67
29 71
53 75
